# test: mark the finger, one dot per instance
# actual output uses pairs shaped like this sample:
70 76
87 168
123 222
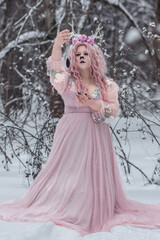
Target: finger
81 99
86 97
65 40
66 34
82 96
65 31
66 37
89 96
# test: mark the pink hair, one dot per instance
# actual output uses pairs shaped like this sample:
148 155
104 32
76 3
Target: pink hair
98 67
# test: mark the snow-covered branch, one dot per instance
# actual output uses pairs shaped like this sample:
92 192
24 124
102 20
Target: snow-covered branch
130 17
22 38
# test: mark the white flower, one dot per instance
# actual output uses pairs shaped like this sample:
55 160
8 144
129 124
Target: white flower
59 77
109 82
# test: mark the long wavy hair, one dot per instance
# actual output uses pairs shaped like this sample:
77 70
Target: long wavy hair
98 67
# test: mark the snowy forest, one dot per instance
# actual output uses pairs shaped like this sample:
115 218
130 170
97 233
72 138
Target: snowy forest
30 110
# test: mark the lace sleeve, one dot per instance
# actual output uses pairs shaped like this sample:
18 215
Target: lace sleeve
58 76
110 108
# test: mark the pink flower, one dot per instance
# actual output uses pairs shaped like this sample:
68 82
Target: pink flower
90 41
83 38
75 40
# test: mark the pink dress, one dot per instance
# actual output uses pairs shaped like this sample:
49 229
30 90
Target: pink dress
80 187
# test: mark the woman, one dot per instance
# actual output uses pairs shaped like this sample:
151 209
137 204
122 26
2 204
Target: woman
80 186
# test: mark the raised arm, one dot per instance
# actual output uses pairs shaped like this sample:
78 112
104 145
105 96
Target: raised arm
55 63
108 109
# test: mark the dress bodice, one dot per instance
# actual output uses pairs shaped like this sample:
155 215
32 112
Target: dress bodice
71 101
63 82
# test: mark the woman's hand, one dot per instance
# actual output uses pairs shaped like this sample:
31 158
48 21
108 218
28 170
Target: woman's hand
87 100
62 37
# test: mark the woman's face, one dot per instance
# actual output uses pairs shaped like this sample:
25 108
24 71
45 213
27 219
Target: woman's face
82 58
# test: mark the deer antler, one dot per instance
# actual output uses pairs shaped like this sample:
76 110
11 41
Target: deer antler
95 36
73 33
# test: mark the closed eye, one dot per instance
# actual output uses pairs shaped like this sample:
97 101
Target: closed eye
78 54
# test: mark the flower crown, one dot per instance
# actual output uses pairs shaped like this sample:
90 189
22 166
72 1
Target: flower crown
84 38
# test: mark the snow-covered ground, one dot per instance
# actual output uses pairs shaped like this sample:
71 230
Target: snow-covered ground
142 153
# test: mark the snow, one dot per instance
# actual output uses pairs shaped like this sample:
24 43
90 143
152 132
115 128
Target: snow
13 184
115 2
132 36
